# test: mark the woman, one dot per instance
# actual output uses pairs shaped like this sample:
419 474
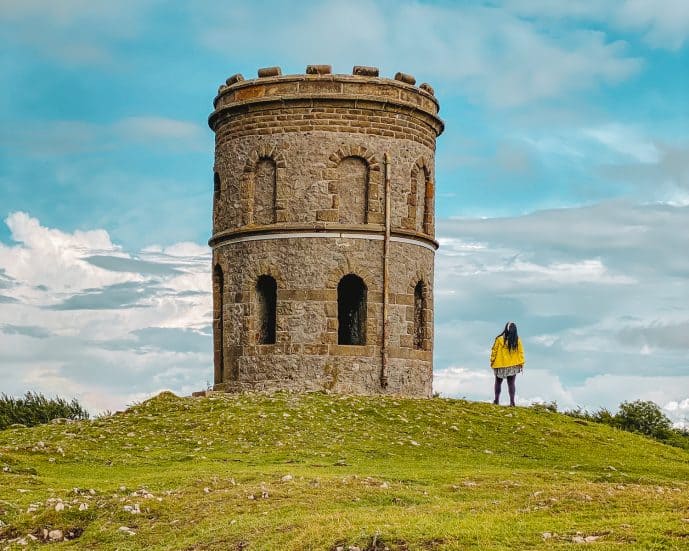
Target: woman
507 359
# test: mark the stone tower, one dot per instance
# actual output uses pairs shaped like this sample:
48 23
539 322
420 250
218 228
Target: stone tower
323 232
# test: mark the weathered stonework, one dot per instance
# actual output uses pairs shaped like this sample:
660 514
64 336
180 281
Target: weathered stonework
313 289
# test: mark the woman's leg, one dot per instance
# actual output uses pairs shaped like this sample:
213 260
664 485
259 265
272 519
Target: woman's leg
497 387
512 388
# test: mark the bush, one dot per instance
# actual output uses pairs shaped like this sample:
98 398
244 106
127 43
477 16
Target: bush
34 409
643 417
544 406
603 415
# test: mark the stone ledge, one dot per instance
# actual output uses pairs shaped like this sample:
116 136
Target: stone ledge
317 227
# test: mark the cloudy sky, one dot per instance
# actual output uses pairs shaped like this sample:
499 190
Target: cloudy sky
563 185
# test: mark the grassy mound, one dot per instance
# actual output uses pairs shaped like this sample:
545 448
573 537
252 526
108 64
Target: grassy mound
326 472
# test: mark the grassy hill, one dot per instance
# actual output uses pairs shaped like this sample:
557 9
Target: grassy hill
319 471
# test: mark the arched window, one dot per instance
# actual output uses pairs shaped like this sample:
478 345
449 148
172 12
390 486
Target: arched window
266 302
351 310
264 191
420 199
352 190
419 315
216 201
428 202
218 291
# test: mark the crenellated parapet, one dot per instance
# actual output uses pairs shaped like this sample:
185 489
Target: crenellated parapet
364 89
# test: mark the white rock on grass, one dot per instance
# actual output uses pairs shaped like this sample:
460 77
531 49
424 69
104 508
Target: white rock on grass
126 530
55 535
84 507
142 493
287 478
59 506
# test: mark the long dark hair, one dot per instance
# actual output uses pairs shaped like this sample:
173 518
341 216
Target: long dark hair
511 336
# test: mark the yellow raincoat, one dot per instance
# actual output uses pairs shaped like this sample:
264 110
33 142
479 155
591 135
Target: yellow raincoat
501 356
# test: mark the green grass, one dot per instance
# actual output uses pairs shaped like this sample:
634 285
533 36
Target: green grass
320 471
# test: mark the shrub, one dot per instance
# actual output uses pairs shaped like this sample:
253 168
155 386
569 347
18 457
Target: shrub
603 415
544 406
34 409
644 417
641 417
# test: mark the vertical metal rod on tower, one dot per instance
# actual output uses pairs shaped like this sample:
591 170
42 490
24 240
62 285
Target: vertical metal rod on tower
386 246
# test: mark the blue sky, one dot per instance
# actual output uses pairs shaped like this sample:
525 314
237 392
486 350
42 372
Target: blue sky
563 185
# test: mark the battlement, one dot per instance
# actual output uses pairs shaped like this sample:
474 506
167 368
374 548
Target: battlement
364 86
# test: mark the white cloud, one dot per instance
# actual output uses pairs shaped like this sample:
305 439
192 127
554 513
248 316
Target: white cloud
625 140
489 53
46 257
91 320
564 273
463 382
662 23
77 32
678 411
143 129
62 137
666 180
